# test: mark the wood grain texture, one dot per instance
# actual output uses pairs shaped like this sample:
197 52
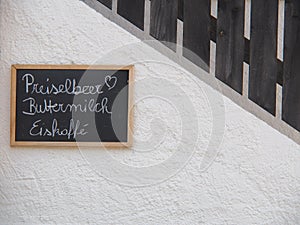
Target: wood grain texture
263 54
107 3
13 99
291 71
196 32
163 21
133 11
230 43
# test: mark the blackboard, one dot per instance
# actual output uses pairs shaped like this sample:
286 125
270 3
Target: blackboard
71 105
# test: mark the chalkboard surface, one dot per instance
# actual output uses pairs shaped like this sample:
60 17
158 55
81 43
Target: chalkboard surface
70 105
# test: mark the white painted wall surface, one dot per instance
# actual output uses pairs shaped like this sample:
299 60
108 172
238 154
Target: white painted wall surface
255 178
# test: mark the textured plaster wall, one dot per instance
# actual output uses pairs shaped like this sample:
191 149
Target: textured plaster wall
254 178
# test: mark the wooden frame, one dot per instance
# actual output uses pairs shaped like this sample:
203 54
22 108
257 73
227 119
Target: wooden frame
15 143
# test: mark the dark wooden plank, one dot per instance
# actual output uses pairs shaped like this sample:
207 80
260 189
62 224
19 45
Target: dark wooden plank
133 11
230 43
247 50
279 72
163 21
196 32
180 9
291 77
213 29
107 3
263 54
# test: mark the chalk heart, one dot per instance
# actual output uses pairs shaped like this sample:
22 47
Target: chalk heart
110 82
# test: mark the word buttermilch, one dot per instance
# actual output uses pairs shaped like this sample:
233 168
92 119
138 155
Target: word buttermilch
47 106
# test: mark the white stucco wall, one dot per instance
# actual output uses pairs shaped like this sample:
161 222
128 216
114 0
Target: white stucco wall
163 179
